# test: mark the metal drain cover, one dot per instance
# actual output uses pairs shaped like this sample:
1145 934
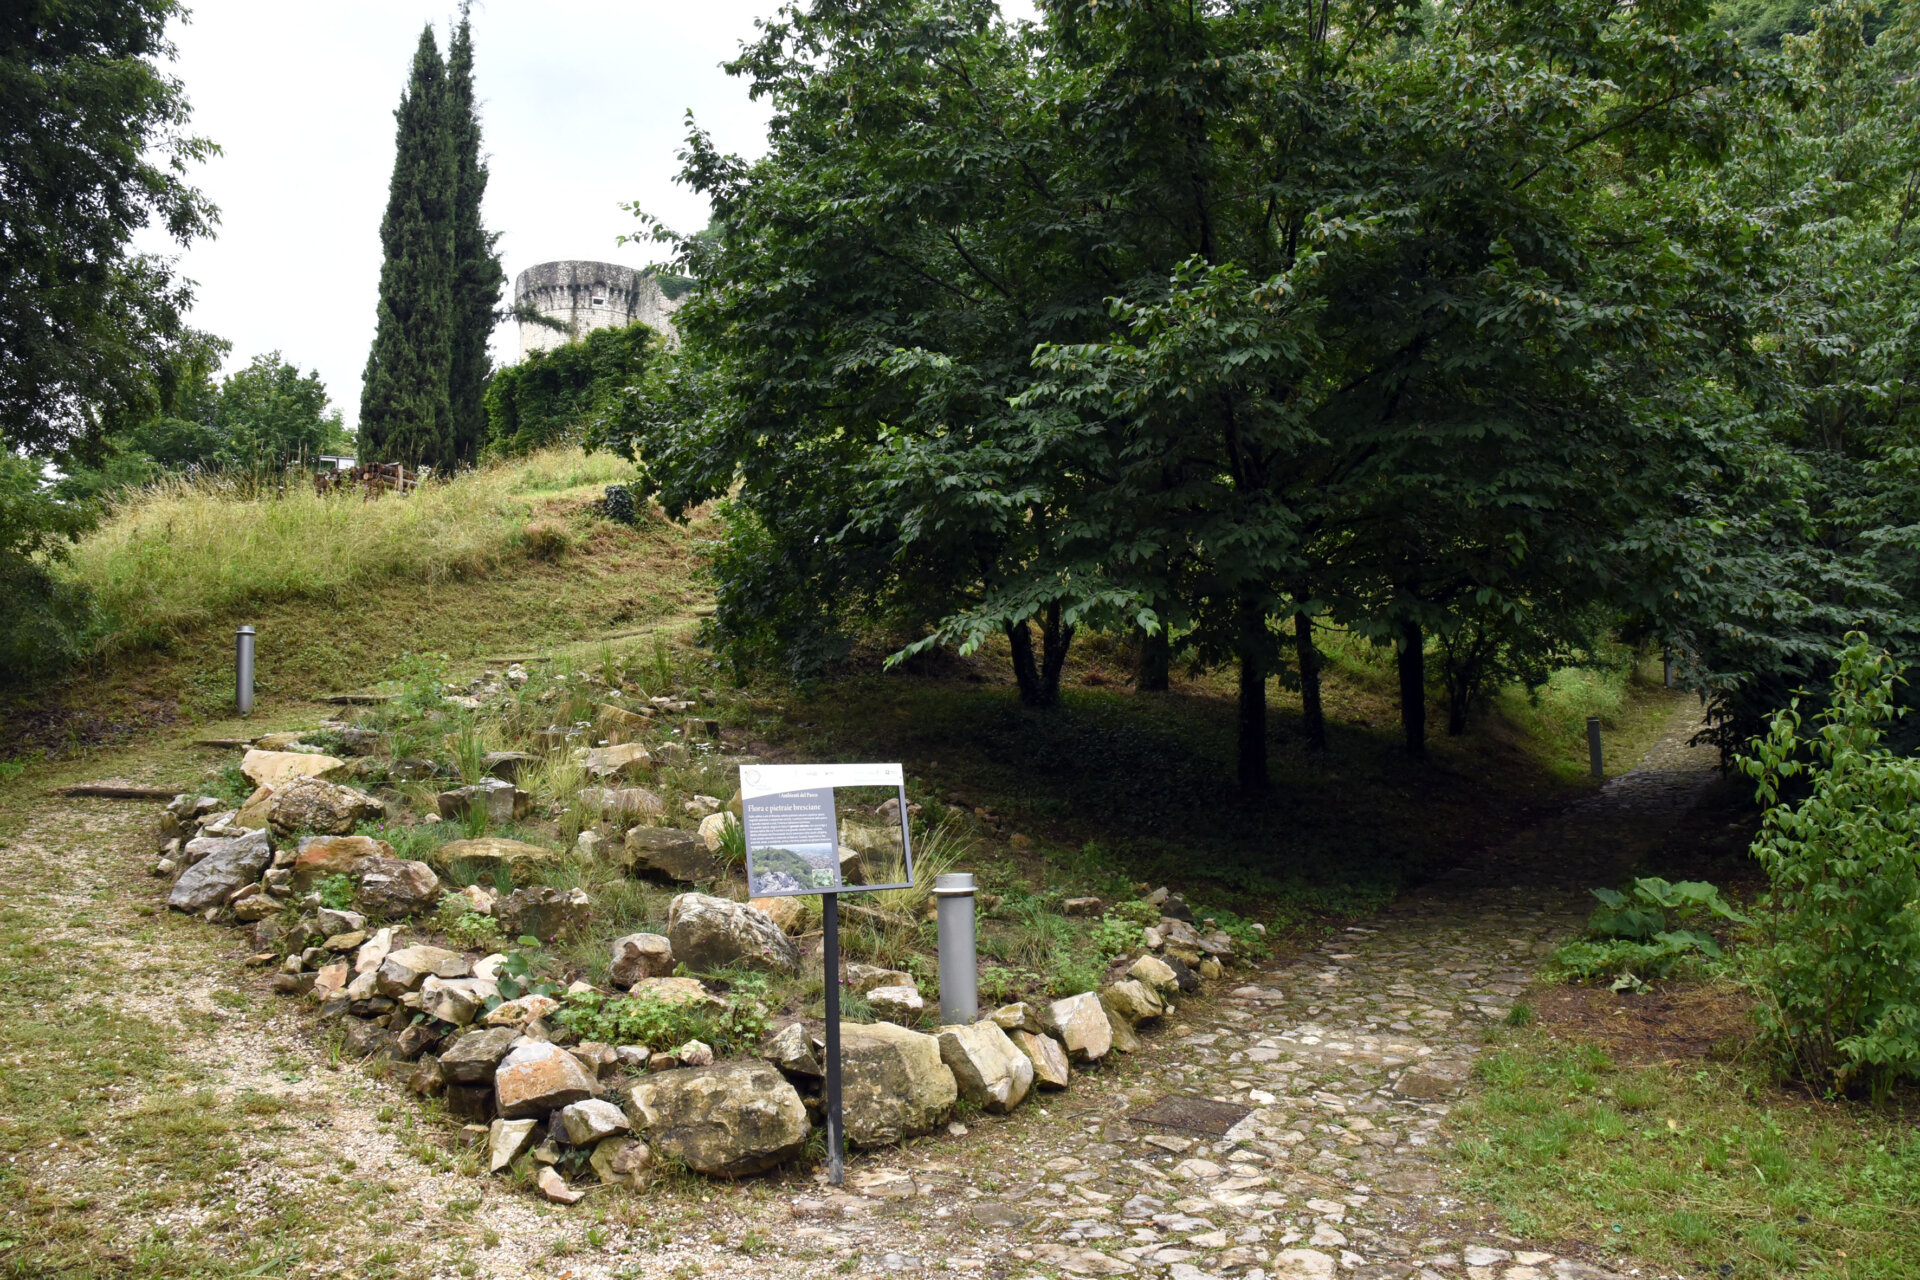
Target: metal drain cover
1195 1115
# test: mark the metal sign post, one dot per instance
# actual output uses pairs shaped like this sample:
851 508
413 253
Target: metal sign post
792 835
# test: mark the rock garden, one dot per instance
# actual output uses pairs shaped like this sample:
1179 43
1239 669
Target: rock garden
525 896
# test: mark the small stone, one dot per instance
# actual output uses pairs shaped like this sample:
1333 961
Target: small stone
219 866
506 1140
1134 1000
1018 1016
395 888
500 801
898 1003
863 978
641 955
632 1057
1210 969
1303 1264
629 761
792 1050
620 1159
623 804
695 1053
330 981
989 1069
320 857
555 1188
1479 1255
404 970
543 912
458 1001
271 768
1082 907
586 1123
518 1013
538 1078
429 1078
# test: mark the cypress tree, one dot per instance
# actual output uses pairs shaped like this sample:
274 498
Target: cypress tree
405 408
477 277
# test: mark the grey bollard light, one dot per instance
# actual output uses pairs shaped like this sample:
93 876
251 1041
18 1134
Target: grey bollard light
1593 746
243 670
959 966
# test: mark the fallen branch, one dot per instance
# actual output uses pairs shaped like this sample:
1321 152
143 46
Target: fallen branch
116 791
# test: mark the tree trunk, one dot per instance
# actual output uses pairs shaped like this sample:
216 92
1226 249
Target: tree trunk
1155 661
1040 681
1313 717
1055 638
1413 688
1024 671
1252 745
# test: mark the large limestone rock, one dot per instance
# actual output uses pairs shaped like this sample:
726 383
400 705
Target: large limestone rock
1156 973
538 1078
500 861
1134 1001
677 991
863 978
474 1056
542 911
256 810
1080 1024
641 955
325 808
323 856
898 1003
991 1072
894 1084
725 1121
455 1000
713 829
395 887
666 853
500 801
272 768
221 866
404 970
621 804
627 762
1050 1069
712 933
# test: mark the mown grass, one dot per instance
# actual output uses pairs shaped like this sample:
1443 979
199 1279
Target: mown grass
1703 1168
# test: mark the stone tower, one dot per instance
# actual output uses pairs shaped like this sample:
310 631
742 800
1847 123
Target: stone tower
585 296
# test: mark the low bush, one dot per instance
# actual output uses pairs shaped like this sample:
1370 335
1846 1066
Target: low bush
547 540
1841 847
1653 930
662 1025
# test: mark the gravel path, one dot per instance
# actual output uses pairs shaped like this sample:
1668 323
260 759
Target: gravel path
1341 1065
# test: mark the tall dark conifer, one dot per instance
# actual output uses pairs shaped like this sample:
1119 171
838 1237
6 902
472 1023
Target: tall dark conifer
405 408
477 277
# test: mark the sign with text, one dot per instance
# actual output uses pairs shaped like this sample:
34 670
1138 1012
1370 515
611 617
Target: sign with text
792 826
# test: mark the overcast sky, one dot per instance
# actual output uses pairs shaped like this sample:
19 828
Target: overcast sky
582 107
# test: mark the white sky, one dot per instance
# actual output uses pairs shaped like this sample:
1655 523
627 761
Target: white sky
582 107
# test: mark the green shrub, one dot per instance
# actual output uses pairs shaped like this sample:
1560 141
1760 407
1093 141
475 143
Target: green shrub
1115 936
336 892
1841 972
663 1025
1649 931
1138 912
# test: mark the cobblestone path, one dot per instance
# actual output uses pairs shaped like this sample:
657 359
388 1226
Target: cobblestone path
1349 1056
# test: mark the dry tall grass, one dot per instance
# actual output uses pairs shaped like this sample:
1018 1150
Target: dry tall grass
186 552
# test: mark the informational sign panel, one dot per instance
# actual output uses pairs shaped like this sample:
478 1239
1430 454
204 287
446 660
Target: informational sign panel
793 830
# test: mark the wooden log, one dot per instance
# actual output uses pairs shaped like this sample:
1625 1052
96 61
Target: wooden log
118 791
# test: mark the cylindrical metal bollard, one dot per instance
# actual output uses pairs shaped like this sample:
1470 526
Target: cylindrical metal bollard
1666 667
959 965
1593 746
243 670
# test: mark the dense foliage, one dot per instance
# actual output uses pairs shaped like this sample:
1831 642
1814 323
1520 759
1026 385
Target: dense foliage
440 276
259 419
1219 321
92 150
1841 846
566 392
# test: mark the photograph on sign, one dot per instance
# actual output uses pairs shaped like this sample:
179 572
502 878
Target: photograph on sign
799 821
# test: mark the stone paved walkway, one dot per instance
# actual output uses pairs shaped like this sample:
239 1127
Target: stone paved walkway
1350 1056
